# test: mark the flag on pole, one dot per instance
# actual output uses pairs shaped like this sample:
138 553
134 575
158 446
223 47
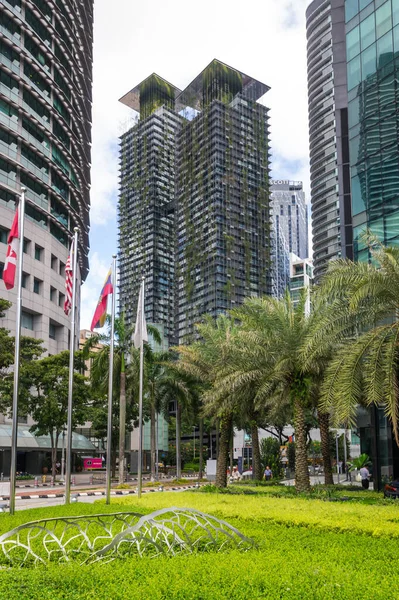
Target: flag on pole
140 331
10 265
69 281
101 309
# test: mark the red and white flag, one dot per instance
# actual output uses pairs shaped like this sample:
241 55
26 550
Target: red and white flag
69 281
10 265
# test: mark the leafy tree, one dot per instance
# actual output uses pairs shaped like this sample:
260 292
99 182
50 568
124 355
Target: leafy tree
44 395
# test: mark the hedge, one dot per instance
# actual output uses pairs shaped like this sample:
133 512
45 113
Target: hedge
306 550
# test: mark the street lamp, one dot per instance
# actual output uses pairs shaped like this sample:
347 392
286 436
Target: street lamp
336 447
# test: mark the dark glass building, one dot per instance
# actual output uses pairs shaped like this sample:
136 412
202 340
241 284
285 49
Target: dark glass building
222 193
372 45
45 139
194 201
147 204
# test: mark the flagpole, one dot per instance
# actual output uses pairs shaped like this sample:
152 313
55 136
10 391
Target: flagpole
68 469
140 458
14 430
110 384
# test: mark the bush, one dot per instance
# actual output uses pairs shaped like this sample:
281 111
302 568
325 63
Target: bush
308 549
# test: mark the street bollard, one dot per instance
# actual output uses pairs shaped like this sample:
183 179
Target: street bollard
36 482
161 488
91 480
52 481
43 479
73 480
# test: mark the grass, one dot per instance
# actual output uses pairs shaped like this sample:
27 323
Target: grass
307 549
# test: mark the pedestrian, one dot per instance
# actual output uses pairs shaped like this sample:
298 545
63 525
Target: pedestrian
365 474
268 473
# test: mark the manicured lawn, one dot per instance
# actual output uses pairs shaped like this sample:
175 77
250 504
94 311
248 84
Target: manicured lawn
306 549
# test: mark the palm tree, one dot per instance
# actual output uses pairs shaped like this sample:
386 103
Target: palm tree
362 318
268 359
201 361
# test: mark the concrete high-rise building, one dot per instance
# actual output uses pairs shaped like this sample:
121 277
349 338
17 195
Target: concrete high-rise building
194 198
45 137
328 133
290 215
301 278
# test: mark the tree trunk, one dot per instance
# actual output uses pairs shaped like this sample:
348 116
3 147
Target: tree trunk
178 439
201 448
324 425
225 432
153 442
113 462
302 482
122 423
256 460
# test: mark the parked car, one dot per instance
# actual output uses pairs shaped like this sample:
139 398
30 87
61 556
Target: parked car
391 490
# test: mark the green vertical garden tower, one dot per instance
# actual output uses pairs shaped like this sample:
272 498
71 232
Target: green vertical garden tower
194 198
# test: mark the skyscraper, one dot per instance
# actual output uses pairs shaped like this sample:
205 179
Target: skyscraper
289 210
147 203
45 137
194 202
372 37
328 133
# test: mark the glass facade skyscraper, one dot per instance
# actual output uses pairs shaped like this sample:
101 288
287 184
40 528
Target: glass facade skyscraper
194 198
372 36
45 140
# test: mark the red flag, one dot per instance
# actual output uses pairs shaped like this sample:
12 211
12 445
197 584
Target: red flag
69 281
101 309
10 265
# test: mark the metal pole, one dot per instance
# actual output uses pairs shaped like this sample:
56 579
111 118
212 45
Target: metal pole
140 461
110 385
336 448
194 441
63 456
156 446
14 434
345 456
68 469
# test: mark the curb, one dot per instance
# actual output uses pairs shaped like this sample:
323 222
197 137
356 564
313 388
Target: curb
85 494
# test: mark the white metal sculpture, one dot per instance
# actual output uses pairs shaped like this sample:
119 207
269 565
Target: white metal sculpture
105 537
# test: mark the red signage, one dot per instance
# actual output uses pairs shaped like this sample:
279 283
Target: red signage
92 463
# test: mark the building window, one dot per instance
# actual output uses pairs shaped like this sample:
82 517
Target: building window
3 235
25 279
37 286
62 269
52 331
26 320
61 300
54 262
26 246
38 253
52 293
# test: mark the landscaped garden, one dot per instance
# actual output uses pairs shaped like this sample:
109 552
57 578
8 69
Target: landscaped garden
307 546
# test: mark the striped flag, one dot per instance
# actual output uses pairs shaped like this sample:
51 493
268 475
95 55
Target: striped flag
101 308
10 265
140 331
69 281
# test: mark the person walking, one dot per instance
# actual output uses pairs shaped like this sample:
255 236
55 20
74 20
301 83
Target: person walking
268 473
365 474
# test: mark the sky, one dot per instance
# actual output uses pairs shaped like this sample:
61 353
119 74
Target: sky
264 38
